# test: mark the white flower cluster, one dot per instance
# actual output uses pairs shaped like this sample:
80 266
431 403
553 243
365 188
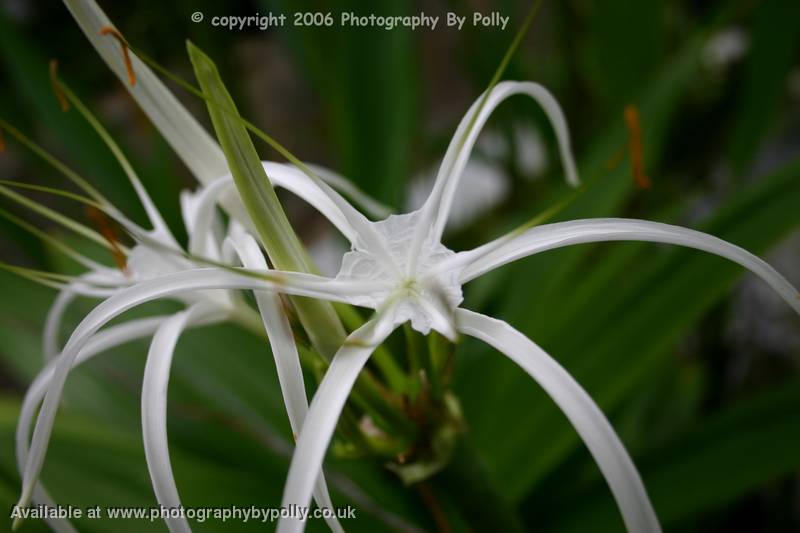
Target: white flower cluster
397 266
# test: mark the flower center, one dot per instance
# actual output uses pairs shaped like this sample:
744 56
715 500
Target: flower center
416 298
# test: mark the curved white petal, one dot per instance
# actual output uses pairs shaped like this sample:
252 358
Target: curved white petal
55 314
160 228
186 136
327 201
326 407
588 420
113 336
154 412
162 287
287 360
538 239
437 206
364 235
344 186
198 216
352 224
191 142
52 323
440 314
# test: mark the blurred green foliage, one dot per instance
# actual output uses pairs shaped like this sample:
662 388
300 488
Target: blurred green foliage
643 328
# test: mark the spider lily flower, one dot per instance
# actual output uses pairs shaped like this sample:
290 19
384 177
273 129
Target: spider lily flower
397 266
424 281
155 256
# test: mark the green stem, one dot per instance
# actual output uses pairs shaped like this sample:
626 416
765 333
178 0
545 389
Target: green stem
367 393
382 358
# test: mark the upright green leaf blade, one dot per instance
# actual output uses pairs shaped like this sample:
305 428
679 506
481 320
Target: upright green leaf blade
279 239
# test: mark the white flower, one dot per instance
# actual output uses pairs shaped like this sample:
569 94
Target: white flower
397 266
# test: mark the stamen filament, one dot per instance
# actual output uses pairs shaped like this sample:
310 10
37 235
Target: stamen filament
51 160
49 239
108 30
107 231
53 215
62 101
633 124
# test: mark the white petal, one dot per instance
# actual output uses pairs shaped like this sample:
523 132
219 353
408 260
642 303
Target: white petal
162 287
160 228
550 236
325 409
287 360
348 188
438 205
189 140
52 323
439 312
582 412
113 336
154 413
199 216
327 201
484 185
352 224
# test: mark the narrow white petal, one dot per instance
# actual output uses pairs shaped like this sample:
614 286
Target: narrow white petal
326 407
198 214
327 201
348 188
162 287
159 226
52 323
113 336
189 140
287 360
588 420
352 224
279 332
154 412
280 175
439 313
550 236
363 234
437 207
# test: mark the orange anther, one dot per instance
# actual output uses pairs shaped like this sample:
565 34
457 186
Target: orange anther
107 231
56 85
635 147
2 141
126 56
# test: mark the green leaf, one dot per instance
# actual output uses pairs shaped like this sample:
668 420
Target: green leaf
278 237
366 80
616 350
775 41
551 277
719 460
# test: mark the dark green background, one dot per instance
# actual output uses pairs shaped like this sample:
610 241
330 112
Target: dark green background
695 363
